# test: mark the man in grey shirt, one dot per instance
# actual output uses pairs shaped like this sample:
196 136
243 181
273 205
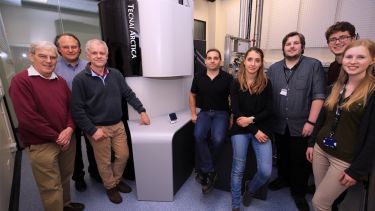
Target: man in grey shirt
298 84
68 66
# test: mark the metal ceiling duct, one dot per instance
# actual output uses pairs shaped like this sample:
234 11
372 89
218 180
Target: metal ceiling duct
74 5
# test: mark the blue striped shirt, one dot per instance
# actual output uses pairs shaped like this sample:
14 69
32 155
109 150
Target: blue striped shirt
68 71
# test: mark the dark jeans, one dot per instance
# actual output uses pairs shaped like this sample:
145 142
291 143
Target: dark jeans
207 151
79 173
292 164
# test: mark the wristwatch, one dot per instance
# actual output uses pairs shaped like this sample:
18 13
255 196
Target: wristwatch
252 118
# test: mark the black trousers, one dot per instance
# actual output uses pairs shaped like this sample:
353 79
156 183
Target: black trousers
292 165
79 172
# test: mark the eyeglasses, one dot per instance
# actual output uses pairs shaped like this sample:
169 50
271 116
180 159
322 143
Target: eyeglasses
333 40
66 47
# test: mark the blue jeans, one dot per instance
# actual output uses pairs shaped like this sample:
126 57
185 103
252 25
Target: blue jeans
215 122
263 154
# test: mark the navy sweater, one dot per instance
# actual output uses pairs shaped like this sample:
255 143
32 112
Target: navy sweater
99 103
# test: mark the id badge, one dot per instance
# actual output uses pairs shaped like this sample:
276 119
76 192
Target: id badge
330 142
283 92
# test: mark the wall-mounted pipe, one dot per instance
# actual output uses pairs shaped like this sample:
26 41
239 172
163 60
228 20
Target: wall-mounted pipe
250 9
258 22
245 17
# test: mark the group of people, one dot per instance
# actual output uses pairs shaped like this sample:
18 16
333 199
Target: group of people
329 124
58 100
313 117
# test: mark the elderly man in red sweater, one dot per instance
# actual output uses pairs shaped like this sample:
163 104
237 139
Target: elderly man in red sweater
41 102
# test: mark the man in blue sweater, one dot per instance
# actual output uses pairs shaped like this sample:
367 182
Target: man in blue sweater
97 109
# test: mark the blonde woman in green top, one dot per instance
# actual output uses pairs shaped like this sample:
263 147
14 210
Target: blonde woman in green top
343 151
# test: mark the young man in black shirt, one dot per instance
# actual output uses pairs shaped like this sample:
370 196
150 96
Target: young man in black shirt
338 36
210 92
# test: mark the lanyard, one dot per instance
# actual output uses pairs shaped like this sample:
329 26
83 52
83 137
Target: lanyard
293 69
287 79
338 111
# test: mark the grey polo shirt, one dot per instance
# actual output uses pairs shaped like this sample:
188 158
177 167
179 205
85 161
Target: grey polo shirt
293 92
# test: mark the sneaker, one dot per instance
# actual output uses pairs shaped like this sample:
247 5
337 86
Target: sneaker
209 182
277 184
301 203
114 196
123 187
80 185
73 206
247 196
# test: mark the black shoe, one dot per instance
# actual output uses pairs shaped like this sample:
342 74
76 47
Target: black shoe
208 184
97 178
301 203
236 209
277 184
80 185
247 196
73 206
200 178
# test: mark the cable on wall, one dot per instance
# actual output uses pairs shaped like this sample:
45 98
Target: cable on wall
299 16
338 10
60 17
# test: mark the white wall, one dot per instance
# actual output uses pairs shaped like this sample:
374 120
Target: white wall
203 12
221 16
312 18
280 17
227 21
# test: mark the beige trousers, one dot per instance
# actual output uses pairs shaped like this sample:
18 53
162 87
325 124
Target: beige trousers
111 173
52 170
327 171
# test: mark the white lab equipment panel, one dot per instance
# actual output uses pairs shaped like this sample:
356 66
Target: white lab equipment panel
166 38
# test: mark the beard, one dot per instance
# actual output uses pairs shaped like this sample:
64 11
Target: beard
214 68
292 58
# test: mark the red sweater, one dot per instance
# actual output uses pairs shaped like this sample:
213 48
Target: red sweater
42 107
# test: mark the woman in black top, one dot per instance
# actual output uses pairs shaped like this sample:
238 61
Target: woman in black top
344 150
251 101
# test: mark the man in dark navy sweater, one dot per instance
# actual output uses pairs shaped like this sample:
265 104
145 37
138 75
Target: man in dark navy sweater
97 108
41 100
